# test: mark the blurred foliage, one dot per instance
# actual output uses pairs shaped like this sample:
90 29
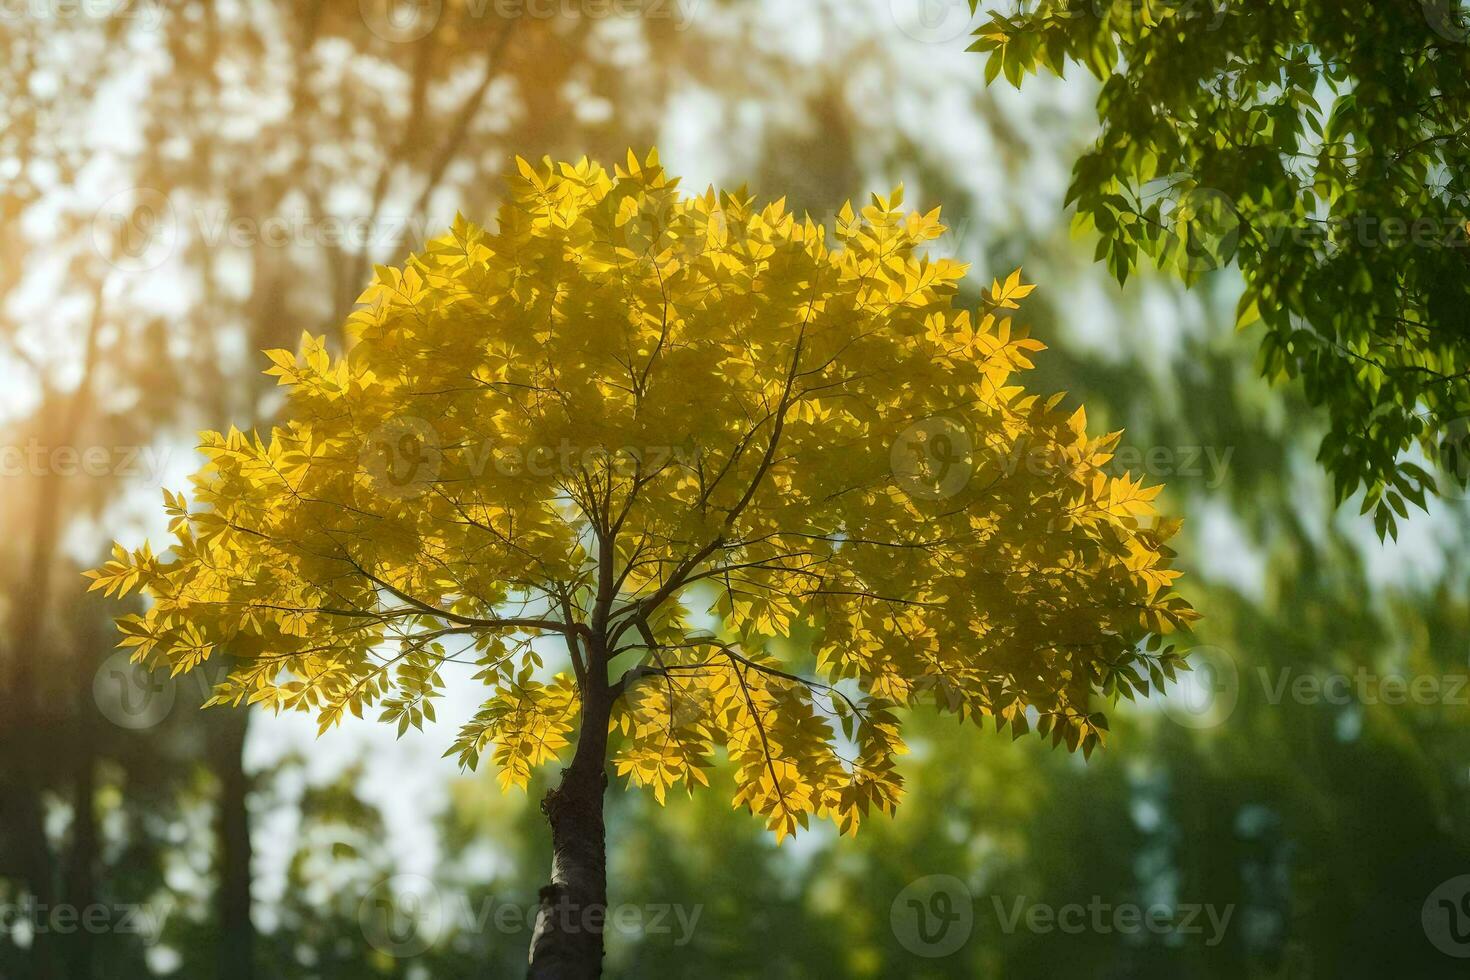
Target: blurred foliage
1322 149
1327 825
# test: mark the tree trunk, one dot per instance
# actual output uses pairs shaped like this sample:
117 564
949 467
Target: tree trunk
83 858
235 951
36 723
34 714
567 942
81 872
38 864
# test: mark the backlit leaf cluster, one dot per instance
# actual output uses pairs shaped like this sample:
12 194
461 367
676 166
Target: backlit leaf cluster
678 450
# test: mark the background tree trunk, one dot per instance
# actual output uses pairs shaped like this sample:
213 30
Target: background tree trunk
236 948
85 839
38 718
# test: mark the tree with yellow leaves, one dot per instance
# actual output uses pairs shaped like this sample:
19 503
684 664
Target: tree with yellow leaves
652 438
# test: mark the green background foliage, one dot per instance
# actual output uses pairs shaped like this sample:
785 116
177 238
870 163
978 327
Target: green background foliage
1324 151
1325 823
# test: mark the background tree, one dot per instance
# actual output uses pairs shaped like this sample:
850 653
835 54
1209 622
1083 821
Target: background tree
633 393
1326 824
1324 151
154 234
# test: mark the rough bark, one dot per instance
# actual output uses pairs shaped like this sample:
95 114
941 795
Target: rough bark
567 943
